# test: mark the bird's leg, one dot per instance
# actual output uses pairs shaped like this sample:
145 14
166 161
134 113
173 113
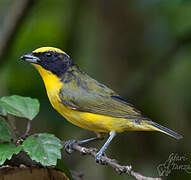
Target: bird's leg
112 134
68 144
88 140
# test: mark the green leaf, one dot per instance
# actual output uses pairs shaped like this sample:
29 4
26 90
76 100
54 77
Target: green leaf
5 133
20 106
43 148
62 167
7 150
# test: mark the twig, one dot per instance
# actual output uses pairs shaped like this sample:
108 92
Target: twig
111 162
28 128
25 135
14 19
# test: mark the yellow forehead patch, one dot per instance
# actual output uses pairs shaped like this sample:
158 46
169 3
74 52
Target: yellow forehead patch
44 49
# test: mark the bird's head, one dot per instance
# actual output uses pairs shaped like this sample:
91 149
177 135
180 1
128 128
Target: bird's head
49 58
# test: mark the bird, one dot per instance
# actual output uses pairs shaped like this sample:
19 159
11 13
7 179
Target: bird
85 102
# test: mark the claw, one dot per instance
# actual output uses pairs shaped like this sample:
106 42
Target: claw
68 146
98 158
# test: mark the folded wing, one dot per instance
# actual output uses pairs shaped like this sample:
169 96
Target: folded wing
88 95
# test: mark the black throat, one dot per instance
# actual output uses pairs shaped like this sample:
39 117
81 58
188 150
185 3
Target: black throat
57 64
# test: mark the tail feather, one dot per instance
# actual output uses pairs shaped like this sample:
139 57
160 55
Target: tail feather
165 130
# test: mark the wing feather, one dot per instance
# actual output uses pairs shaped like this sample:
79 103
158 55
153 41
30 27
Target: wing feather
88 95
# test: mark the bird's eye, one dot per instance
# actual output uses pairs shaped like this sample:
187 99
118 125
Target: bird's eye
48 54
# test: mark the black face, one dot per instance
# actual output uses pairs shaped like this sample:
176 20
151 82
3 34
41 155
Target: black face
53 61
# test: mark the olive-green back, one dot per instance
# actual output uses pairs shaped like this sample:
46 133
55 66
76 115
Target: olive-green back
81 92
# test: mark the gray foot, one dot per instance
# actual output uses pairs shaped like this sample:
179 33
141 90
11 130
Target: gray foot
68 146
98 158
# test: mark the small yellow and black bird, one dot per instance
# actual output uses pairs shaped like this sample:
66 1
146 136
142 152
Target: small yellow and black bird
85 102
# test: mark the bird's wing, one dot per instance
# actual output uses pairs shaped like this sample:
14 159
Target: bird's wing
88 95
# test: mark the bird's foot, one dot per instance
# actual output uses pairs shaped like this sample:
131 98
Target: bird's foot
68 146
99 158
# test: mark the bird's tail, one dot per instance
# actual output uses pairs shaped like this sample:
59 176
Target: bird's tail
157 127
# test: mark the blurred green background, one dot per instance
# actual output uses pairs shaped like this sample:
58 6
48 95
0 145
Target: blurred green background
139 48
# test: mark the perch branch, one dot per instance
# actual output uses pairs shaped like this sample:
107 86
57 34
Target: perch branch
111 162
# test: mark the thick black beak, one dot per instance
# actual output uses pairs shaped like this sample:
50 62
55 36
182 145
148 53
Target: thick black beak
30 58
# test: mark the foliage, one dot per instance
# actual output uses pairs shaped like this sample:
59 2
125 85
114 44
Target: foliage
43 148
7 150
20 106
